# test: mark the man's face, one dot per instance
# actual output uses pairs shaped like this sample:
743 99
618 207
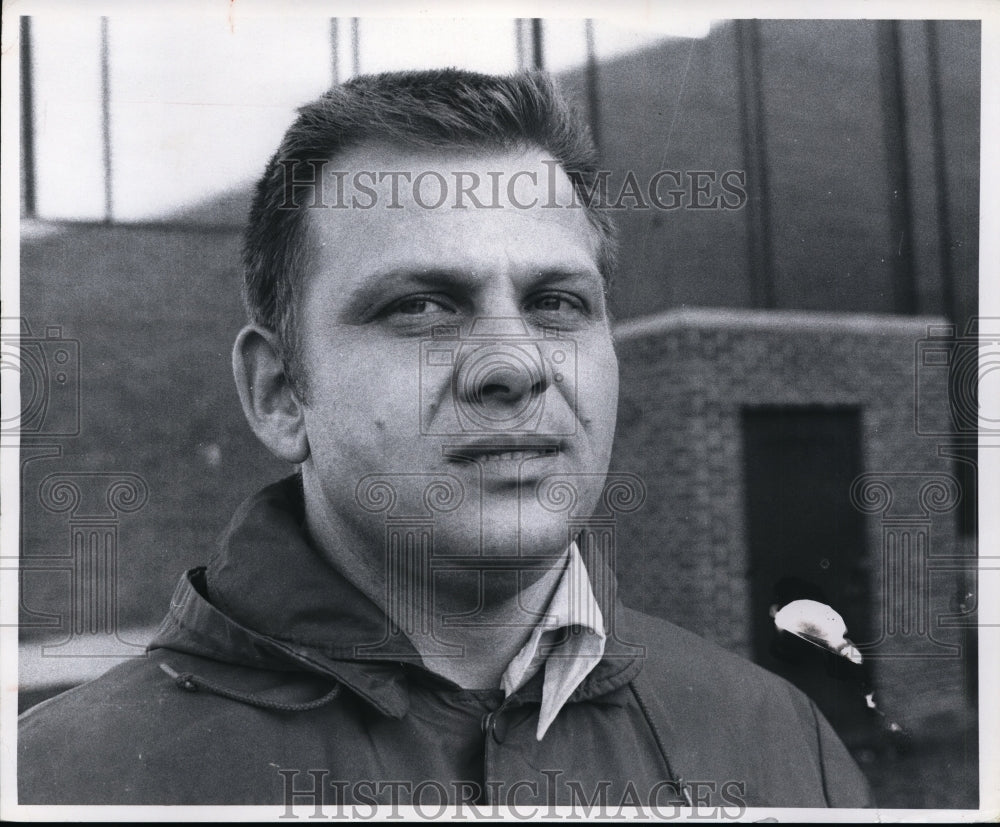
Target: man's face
466 345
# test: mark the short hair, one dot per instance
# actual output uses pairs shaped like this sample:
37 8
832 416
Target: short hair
445 108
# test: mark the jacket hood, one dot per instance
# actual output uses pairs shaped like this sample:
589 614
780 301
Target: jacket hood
269 599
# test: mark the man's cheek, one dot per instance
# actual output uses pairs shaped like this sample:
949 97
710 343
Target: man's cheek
383 394
597 381
397 403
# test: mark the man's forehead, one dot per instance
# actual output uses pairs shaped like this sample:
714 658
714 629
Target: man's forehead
383 206
451 177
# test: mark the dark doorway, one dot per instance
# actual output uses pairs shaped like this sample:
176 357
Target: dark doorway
807 541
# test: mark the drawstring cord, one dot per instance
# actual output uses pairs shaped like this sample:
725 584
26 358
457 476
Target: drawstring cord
681 786
190 682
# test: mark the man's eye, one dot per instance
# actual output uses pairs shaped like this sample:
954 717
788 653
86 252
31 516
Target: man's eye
550 303
418 306
557 303
413 307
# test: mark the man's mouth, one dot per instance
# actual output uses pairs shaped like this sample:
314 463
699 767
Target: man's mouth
501 456
501 451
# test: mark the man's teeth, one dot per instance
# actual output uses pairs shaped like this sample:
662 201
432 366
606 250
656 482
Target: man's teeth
500 456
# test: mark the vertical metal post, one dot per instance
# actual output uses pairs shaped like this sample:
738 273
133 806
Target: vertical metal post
900 206
537 44
940 173
754 137
519 47
334 51
355 47
27 123
106 122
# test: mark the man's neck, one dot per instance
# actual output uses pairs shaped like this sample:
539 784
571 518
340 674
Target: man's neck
498 609
488 642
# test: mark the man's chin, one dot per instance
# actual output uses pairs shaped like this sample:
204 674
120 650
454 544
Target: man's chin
503 533
520 525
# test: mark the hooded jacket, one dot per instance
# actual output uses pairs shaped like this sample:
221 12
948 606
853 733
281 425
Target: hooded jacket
253 692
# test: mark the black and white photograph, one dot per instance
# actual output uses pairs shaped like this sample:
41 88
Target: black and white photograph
510 413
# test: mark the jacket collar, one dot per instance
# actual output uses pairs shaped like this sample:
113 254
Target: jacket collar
269 599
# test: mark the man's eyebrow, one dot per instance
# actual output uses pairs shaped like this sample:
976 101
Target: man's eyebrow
466 275
551 274
380 283
383 283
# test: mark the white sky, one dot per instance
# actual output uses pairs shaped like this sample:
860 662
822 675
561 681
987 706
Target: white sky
198 103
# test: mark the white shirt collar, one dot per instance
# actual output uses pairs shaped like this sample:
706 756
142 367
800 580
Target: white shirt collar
568 657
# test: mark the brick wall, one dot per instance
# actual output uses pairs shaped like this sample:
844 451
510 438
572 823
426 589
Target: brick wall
687 376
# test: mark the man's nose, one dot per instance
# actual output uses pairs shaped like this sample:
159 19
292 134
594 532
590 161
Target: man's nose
500 385
505 375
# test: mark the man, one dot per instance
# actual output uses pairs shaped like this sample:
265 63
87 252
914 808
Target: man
421 614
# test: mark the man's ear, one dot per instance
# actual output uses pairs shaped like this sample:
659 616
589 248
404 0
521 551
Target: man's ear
270 404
